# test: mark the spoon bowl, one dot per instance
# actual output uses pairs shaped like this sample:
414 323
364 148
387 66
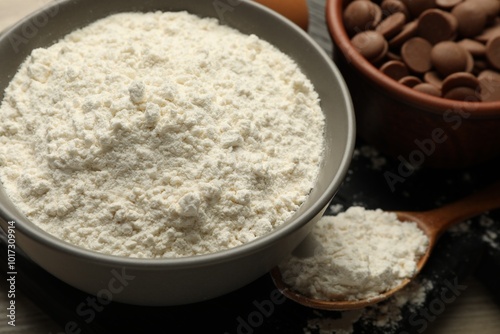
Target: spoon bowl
433 223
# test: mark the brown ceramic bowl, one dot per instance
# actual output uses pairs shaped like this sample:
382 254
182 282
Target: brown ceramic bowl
409 125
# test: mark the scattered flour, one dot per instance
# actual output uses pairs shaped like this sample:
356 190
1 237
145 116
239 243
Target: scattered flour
388 313
460 228
359 254
377 160
491 238
486 221
159 135
336 208
385 315
489 234
342 325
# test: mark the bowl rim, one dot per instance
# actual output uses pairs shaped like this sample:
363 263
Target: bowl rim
37 234
438 105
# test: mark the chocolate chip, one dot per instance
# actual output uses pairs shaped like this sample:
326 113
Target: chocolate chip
371 44
416 7
447 4
493 52
416 53
409 30
488 34
361 15
433 78
471 18
391 25
459 79
490 7
427 88
449 57
390 7
436 25
395 69
474 47
490 85
462 94
410 81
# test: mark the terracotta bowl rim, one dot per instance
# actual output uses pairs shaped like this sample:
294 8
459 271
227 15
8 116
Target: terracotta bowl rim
422 101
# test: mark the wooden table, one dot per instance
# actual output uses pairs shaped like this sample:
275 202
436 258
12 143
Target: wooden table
473 312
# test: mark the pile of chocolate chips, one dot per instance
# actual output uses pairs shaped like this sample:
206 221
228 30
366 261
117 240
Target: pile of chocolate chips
445 48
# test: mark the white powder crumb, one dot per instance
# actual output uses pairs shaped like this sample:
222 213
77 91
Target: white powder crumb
359 255
342 325
377 161
336 208
491 238
460 228
137 92
386 314
159 135
486 221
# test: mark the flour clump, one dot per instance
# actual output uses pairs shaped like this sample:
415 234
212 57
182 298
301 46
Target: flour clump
159 135
359 254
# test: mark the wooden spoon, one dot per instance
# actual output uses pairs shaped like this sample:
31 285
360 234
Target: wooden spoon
433 222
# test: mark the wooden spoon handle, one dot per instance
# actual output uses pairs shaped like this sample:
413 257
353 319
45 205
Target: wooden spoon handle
481 201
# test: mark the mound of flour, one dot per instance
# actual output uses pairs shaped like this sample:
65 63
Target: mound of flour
159 135
359 254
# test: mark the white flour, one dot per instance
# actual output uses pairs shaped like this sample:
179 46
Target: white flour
384 315
359 255
159 135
